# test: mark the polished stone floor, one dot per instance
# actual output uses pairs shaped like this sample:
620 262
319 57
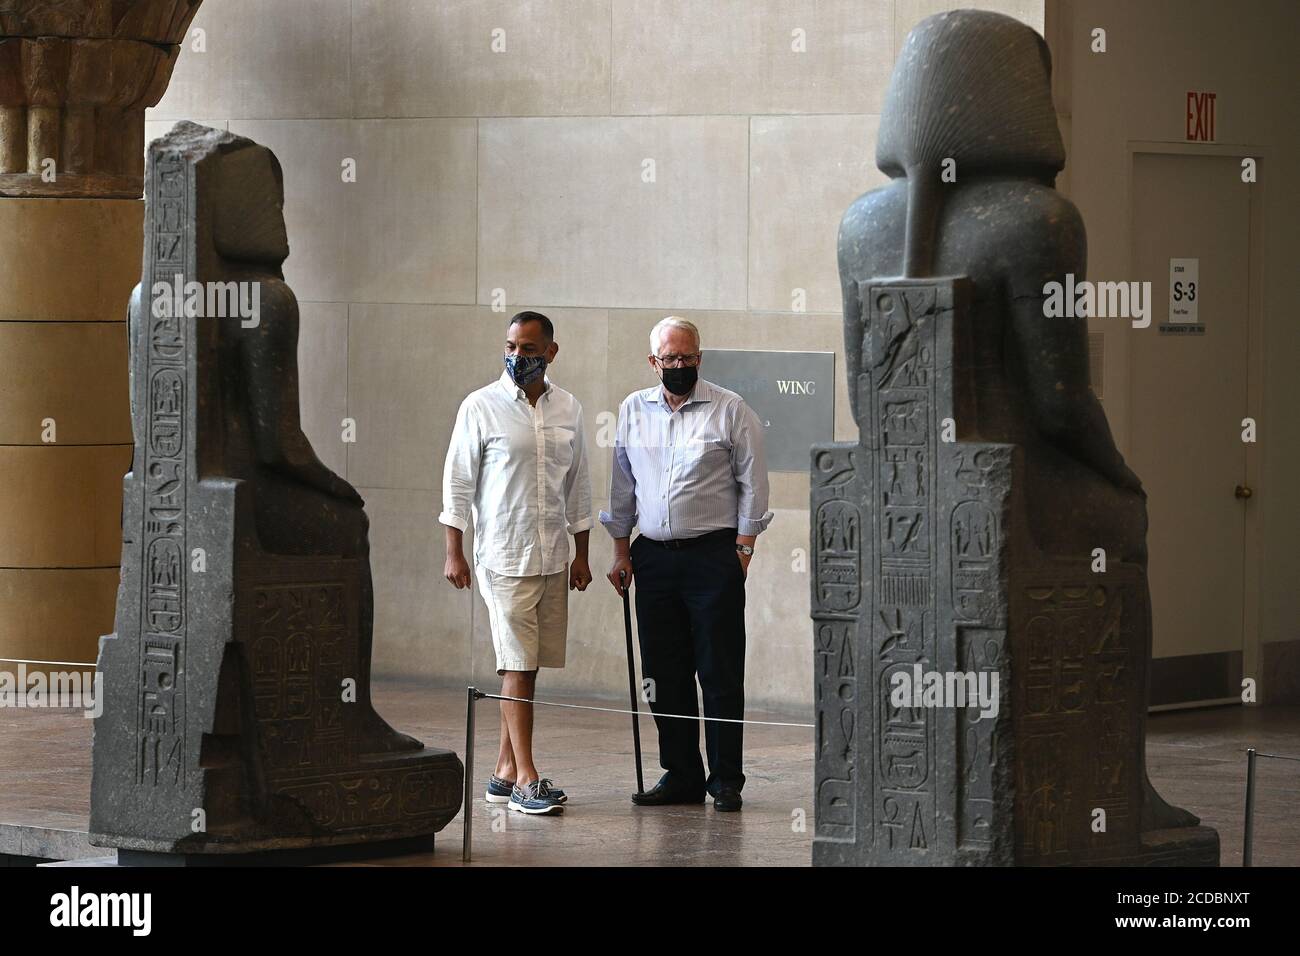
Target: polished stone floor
1196 760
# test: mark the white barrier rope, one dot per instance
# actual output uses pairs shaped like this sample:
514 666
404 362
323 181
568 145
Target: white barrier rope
16 660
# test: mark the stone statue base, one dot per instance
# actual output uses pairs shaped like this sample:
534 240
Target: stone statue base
285 762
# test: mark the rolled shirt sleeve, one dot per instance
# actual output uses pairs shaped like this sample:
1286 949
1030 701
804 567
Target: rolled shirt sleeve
577 485
620 519
460 472
749 465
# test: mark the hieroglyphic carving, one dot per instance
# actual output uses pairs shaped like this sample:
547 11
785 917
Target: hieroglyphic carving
1076 723
839 555
932 780
300 642
357 800
901 434
981 651
974 550
837 586
1047 805
836 729
160 754
978 479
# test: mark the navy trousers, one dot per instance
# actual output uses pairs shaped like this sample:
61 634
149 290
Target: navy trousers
690 612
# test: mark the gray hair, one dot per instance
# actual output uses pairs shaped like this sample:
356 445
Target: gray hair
672 322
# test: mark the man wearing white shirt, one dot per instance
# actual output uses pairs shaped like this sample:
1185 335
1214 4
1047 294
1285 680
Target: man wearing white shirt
518 463
690 473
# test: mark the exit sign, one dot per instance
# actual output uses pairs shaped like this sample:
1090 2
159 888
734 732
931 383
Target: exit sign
1200 116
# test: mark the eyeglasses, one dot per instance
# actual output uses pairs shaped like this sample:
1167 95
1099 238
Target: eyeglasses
676 361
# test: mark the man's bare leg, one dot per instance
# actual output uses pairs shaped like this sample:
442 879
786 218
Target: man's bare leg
506 757
519 722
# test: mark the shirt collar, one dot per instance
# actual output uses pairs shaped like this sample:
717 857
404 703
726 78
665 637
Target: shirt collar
703 392
518 393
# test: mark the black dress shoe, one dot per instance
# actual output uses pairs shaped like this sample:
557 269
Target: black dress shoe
661 795
727 799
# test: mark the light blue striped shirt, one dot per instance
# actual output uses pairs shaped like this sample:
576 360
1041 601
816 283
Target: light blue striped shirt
681 474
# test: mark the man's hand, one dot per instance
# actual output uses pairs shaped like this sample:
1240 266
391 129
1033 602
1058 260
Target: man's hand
579 574
745 540
456 570
622 564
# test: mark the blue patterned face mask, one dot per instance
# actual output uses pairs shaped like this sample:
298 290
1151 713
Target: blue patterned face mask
525 369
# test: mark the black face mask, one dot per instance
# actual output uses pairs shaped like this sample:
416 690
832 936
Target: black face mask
680 381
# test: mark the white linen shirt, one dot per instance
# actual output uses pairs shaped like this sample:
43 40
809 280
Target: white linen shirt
520 470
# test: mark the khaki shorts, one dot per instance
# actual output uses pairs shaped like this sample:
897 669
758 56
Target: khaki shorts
529 617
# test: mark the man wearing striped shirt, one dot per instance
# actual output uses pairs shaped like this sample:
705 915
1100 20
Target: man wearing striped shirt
689 472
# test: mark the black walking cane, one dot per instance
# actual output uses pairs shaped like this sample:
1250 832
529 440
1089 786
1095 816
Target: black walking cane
631 682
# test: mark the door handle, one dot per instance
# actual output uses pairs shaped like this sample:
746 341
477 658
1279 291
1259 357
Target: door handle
1243 492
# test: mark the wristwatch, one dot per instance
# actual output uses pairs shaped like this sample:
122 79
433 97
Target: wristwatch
744 549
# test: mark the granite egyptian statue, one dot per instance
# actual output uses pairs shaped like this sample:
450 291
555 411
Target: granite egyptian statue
238 676
959 535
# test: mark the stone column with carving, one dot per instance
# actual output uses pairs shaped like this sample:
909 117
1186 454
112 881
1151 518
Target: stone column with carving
75 79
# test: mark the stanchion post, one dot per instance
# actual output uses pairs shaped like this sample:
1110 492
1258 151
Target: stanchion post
1249 838
467 845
